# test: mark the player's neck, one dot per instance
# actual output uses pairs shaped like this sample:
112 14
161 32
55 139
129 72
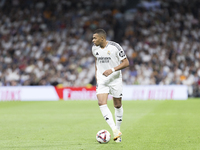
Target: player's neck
103 45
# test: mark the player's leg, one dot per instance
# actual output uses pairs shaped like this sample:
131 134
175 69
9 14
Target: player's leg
116 91
102 101
118 118
118 111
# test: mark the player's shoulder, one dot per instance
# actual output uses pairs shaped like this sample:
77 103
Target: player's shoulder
115 44
94 47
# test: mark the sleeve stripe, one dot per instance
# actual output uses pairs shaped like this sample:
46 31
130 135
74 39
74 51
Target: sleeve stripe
116 45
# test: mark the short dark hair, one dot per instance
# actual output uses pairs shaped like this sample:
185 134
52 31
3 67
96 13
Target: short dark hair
101 32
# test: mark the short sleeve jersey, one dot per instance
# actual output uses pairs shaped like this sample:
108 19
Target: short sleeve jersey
107 58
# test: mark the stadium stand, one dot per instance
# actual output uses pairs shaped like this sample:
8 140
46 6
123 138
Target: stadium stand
49 42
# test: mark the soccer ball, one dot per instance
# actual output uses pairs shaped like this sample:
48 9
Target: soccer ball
103 136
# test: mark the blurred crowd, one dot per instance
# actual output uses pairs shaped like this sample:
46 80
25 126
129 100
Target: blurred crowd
49 42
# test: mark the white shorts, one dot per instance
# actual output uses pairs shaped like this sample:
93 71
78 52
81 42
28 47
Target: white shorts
114 88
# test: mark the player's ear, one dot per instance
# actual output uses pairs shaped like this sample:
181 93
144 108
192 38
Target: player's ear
102 38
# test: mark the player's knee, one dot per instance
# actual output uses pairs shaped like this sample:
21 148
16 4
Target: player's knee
101 103
118 105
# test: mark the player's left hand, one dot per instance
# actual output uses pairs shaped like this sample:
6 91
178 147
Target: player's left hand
107 72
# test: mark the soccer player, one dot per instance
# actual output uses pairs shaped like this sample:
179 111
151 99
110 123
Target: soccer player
110 59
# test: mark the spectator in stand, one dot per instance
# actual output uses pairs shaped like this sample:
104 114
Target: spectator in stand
48 43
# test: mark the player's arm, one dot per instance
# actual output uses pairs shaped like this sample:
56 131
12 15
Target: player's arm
93 50
124 64
96 70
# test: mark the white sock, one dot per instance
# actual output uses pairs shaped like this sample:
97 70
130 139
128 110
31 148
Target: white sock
107 116
118 116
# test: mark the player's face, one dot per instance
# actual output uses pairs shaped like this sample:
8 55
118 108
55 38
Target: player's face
97 39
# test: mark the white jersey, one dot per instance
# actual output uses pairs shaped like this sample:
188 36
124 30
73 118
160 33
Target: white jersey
107 58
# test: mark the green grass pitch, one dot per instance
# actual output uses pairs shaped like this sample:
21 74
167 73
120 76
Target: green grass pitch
72 125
